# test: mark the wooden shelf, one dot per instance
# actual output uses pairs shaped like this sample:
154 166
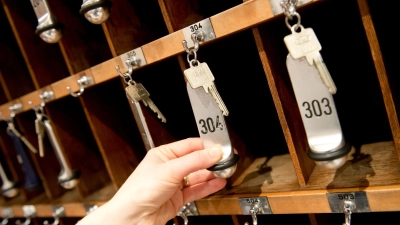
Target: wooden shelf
376 171
98 132
224 24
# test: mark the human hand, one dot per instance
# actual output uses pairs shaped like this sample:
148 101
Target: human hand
154 192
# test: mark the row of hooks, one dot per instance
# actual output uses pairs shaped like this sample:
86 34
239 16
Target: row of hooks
30 213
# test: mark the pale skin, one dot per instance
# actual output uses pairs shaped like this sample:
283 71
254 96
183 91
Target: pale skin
154 192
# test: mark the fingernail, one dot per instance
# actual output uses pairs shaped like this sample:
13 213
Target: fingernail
215 152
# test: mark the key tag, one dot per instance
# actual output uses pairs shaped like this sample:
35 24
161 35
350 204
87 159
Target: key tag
49 29
313 88
67 178
209 111
9 188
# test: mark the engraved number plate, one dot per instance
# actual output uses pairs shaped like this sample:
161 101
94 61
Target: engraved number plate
205 26
359 198
137 53
210 121
316 105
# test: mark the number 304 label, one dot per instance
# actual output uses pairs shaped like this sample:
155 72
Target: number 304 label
205 26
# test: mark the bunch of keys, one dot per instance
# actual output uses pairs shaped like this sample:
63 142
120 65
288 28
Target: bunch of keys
137 93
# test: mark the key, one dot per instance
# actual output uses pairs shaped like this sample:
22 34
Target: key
23 139
201 75
40 134
137 93
305 44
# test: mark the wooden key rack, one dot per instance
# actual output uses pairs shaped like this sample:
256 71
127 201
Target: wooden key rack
99 135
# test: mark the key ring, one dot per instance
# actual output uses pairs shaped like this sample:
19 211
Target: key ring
297 25
194 60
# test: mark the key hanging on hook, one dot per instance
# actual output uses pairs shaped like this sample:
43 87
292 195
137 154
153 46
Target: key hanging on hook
313 88
254 210
209 111
49 29
12 130
67 178
136 91
348 207
96 11
32 180
189 209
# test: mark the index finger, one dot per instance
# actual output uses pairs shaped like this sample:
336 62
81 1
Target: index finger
180 148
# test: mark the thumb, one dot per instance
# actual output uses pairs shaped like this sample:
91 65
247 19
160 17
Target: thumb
192 162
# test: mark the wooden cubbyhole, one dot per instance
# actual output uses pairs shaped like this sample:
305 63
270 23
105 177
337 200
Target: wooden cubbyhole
78 145
44 61
130 25
167 90
245 93
83 44
17 174
381 16
359 100
114 129
383 47
180 14
14 76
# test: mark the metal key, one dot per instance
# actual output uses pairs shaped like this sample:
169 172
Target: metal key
305 44
201 75
12 128
40 134
136 93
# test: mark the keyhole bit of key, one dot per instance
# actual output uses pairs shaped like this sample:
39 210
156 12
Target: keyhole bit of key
9 188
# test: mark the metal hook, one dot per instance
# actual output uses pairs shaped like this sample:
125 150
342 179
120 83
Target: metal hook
58 211
56 222
27 222
197 37
83 82
130 62
16 108
254 211
45 97
182 213
289 8
38 109
348 207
